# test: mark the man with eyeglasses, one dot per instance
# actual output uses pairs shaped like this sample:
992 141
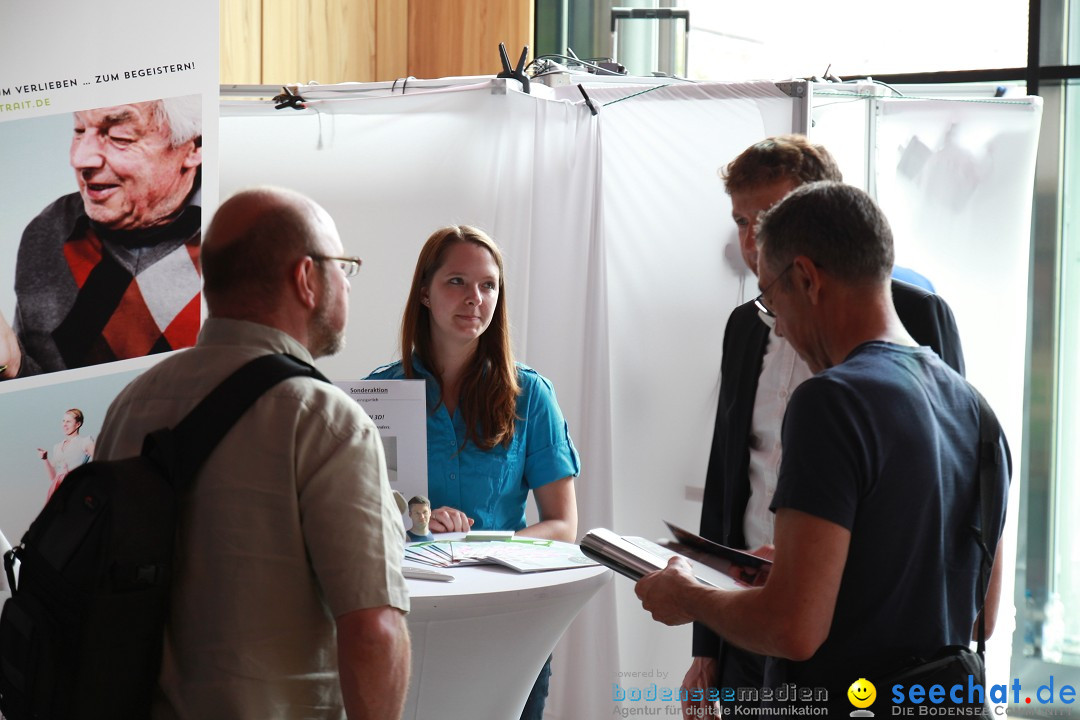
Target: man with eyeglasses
759 371
875 561
288 599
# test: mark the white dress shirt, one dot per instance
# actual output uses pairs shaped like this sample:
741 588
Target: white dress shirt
782 370
4 547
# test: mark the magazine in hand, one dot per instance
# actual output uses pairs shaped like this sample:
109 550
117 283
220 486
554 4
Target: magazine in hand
696 542
619 554
636 557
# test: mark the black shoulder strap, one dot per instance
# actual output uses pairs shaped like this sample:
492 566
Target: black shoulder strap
989 432
182 451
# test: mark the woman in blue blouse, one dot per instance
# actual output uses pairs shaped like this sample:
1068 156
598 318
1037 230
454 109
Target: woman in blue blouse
495 430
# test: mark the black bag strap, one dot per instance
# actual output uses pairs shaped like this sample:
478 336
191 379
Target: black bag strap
989 432
181 451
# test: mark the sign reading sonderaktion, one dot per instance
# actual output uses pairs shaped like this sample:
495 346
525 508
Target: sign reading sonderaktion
399 410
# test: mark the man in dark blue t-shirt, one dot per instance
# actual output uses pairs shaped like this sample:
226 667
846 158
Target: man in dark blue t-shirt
875 560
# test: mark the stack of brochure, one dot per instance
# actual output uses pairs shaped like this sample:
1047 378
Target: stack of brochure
521 554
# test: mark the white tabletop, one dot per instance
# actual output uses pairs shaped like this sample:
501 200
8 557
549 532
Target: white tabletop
472 583
479 641
475 580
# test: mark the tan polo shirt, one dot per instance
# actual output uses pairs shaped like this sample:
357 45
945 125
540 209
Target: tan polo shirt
290 524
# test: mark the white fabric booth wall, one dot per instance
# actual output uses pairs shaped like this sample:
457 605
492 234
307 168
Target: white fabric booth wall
622 269
674 275
391 170
955 178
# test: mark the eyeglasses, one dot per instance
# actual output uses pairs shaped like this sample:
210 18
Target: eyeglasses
349 265
759 301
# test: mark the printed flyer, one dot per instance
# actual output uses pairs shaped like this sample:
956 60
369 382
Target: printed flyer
399 409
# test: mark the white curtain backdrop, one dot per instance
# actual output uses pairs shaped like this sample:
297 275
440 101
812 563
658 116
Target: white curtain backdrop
622 267
391 170
633 246
955 180
674 275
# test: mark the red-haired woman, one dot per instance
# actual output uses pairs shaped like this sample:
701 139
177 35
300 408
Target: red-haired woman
495 430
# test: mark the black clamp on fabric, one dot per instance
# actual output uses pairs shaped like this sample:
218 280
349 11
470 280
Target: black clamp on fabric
404 82
588 100
517 73
289 98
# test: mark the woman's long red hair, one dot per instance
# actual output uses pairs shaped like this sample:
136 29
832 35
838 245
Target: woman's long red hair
489 386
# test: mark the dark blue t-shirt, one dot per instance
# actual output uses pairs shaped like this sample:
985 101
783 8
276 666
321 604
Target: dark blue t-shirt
886 445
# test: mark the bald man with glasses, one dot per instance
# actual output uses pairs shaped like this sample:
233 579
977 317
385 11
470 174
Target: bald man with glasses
288 598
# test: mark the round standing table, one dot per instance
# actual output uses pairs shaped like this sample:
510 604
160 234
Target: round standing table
479 642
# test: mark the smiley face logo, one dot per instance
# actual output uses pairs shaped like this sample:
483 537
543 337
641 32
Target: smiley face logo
862 693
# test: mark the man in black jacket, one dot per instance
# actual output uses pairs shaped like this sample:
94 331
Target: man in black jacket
758 372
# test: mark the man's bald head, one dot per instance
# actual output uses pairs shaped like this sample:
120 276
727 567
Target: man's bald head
251 245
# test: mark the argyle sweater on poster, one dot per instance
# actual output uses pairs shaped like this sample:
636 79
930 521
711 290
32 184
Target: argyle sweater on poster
87 295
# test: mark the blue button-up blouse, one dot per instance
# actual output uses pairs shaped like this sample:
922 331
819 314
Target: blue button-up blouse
492 486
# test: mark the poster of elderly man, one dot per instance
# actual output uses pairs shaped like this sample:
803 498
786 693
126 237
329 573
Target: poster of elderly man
109 270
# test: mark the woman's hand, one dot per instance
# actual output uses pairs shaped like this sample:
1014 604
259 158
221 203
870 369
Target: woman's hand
43 453
448 519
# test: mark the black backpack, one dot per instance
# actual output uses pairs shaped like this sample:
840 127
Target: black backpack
81 636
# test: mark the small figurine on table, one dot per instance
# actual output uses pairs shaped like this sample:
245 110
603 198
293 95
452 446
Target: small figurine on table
420 514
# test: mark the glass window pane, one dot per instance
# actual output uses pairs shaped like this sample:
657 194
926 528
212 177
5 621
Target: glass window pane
786 38
1061 635
1073 42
